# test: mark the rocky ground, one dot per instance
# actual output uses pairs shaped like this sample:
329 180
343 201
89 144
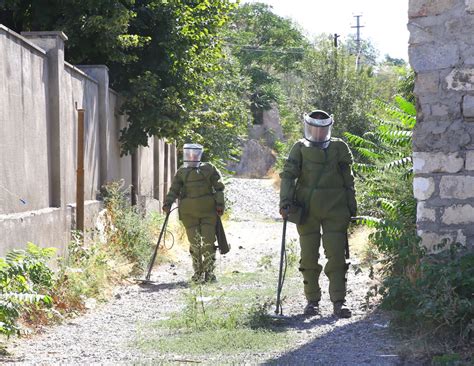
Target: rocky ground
108 333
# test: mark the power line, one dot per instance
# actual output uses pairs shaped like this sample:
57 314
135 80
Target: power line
251 48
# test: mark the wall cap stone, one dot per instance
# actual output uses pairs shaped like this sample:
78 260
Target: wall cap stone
23 39
46 34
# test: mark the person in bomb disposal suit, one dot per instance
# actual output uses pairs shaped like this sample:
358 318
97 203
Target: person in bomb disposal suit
200 191
317 176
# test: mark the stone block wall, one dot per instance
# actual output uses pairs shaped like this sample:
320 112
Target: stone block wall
441 51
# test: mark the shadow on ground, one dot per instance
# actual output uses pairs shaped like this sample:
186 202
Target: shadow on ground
349 344
156 287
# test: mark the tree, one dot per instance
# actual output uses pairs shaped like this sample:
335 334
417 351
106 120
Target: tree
173 75
332 83
96 30
221 125
163 54
368 53
269 48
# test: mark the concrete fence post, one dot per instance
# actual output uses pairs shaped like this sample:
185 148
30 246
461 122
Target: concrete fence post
53 44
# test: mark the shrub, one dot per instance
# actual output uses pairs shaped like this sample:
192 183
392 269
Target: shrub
24 278
129 231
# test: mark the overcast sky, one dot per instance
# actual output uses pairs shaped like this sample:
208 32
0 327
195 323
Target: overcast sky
384 21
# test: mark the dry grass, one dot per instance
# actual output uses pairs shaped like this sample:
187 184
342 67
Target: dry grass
359 244
275 178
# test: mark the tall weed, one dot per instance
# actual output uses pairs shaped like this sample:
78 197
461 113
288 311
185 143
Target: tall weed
129 231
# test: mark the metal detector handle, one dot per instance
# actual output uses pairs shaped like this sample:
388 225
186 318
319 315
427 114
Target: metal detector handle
152 261
278 309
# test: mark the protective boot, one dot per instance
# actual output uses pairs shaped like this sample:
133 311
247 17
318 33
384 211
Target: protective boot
210 277
311 308
197 277
340 310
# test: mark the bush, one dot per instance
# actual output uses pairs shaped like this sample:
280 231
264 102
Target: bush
24 280
32 291
129 231
439 298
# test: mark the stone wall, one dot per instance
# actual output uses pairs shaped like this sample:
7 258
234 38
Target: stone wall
441 51
39 93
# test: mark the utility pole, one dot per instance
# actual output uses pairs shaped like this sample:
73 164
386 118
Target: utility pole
358 26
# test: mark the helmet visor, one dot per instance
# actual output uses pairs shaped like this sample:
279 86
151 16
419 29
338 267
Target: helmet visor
317 134
192 154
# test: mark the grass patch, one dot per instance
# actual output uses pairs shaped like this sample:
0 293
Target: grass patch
230 317
221 341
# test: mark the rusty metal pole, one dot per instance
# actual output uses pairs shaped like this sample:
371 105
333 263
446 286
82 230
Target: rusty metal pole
80 172
134 190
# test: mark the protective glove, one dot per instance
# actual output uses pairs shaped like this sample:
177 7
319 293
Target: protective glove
220 211
166 208
284 211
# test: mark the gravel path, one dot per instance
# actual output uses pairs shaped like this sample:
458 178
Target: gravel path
108 334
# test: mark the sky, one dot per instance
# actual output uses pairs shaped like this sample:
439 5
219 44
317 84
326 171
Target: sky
384 21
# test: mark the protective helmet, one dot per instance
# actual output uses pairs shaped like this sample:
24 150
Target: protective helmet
317 128
192 154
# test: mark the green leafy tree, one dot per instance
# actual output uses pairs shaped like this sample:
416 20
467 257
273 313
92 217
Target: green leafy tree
366 51
162 54
332 83
174 72
269 48
222 123
97 30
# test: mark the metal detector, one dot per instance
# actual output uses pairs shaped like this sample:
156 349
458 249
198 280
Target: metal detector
152 261
282 272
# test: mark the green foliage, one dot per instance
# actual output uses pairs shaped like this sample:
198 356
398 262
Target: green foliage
173 76
394 76
24 279
368 53
163 56
86 272
438 296
96 30
269 49
222 124
332 83
129 232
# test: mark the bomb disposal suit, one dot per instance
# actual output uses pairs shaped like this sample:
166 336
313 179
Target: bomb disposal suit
318 176
200 192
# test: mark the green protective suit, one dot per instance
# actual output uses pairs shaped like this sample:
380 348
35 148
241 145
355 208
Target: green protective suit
322 180
200 192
